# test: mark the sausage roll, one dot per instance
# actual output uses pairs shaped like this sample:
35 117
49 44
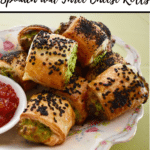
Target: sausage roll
99 66
75 92
92 40
51 60
115 91
26 35
47 119
13 66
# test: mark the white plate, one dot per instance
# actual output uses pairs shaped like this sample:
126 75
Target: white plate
94 135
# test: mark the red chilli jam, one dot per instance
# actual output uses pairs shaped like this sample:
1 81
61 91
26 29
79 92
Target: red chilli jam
8 103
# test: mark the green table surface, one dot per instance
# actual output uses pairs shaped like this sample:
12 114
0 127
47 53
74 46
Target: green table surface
131 28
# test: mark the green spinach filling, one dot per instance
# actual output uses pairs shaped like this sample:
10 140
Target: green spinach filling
30 35
71 64
34 131
78 115
7 72
98 107
99 59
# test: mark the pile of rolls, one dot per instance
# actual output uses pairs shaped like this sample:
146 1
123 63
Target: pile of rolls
83 76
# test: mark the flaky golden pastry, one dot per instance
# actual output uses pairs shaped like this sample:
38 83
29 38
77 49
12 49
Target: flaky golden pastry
110 59
92 40
51 60
52 111
115 91
13 65
75 92
26 35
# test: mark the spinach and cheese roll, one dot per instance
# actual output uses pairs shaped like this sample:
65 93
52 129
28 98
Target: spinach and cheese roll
26 35
51 60
63 26
92 40
13 65
115 91
103 63
47 119
75 92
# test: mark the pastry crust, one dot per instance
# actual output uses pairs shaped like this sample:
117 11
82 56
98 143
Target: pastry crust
92 40
14 63
54 112
117 90
47 60
104 28
24 41
110 59
75 92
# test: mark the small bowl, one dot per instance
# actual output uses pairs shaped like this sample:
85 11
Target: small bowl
22 103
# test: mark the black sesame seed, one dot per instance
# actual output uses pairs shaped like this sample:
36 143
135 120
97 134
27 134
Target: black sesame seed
63 55
50 72
113 80
121 81
25 110
103 95
97 88
135 77
55 120
127 78
116 70
55 53
44 63
66 105
63 98
60 101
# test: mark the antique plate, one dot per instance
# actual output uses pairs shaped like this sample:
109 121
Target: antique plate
93 135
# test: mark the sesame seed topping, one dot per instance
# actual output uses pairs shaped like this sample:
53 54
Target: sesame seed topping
50 72
44 63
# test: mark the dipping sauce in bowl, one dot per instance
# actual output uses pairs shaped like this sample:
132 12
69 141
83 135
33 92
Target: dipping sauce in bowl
8 103
13 101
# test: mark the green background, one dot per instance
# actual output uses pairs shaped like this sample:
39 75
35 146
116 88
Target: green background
131 28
